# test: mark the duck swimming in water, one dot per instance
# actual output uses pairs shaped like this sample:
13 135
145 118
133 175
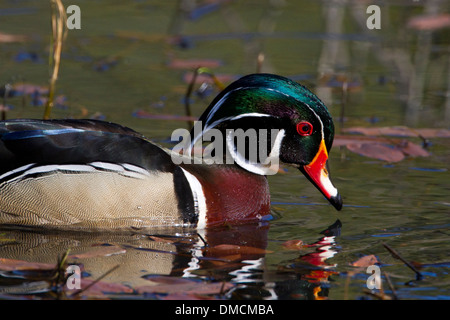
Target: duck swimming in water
95 175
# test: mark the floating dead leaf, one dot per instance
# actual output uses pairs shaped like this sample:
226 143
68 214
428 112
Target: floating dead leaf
6 38
293 244
400 131
12 264
194 63
101 251
186 296
365 261
387 149
100 288
186 287
378 151
430 22
412 149
159 239
202 78
29 89
231 249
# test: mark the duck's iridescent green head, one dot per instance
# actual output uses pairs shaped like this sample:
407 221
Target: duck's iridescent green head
274 102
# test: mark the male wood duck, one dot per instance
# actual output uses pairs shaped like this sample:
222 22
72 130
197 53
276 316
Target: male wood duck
95 175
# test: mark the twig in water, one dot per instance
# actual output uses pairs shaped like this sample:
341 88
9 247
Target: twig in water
204 241
396 255
379 295
391 286
78 292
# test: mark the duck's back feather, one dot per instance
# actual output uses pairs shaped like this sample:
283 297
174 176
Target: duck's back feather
76 142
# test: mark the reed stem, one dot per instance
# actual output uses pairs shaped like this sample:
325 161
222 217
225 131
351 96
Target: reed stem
59 33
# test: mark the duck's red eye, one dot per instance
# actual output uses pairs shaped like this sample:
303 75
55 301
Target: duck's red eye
304 128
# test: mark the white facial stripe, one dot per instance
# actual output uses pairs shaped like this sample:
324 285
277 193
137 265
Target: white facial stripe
220 102
215 123
199 198
318 118
275 152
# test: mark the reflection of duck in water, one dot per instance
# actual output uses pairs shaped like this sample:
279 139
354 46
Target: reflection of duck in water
177 254
306 277
233 258
86 174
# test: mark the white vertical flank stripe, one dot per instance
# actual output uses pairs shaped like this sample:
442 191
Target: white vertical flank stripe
199 198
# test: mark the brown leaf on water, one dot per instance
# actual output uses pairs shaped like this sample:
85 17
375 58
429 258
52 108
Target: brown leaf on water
378 151
28 89
400 131
171 285
193 63
201 78
343 140
231 249
99 288
12 264
6 38
186 296
386 149
430 22
159 239
293 244
412 149
365 261
101 251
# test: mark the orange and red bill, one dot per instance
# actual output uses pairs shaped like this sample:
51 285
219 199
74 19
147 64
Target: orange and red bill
316 171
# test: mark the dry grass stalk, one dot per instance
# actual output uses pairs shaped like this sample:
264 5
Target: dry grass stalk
59 33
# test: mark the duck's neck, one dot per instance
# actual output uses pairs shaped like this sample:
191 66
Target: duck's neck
232 194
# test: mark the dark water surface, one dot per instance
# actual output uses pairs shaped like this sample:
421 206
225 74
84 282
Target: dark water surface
123 66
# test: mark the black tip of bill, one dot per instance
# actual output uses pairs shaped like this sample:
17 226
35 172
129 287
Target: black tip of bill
336 201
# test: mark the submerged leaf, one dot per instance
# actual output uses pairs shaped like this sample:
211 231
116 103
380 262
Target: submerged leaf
400 132
430 22
230 249
378 151
100 288
194 63
293 244
386 149
365 261
202 78
12 264
6 38
171 285
101 251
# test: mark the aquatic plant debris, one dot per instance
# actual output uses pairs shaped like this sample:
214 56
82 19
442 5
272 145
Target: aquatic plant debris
372 143
400 131
365 261
170 285
99 251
